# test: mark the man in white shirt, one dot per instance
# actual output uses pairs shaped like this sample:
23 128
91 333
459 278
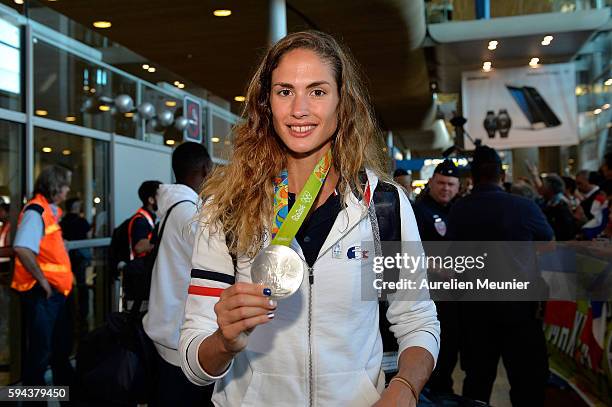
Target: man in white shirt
177 209
588 191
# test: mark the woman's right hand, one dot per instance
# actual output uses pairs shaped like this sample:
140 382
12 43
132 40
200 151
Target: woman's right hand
239 310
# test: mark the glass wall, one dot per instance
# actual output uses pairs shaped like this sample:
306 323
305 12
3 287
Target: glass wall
161 129
88 160
75 91
11 89
11 182
221 137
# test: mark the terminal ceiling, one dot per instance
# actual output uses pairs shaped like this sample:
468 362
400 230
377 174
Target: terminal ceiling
220 54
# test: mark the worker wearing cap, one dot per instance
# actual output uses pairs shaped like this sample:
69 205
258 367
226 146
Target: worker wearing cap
432 208
431 211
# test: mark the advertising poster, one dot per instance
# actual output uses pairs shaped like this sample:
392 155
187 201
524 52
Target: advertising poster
521 107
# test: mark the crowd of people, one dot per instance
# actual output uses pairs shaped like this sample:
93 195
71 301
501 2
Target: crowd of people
538 208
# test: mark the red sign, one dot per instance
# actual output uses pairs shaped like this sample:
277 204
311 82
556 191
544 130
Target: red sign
193 113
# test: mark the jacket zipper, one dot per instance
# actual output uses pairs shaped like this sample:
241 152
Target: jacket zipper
311 282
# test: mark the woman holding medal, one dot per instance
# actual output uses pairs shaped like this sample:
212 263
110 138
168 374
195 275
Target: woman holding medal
275 313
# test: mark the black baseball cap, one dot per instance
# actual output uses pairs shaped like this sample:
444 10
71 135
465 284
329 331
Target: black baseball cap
447 168
400 172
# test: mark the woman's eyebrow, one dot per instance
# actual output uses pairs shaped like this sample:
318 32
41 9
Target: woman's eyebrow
312 85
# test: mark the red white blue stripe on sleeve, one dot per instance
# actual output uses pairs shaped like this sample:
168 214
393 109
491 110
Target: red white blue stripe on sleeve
212 287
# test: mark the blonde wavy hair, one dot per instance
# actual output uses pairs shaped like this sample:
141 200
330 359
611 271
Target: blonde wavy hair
243 191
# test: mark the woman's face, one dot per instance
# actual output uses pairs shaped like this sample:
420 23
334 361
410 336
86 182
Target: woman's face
304 98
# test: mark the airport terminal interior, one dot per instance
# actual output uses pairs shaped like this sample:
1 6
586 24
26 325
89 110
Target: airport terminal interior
109 89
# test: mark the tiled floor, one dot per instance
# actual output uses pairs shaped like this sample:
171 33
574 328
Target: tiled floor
500 396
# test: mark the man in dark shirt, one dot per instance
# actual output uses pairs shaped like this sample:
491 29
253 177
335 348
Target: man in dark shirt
432 208
557 210
493 329
431 212
140 229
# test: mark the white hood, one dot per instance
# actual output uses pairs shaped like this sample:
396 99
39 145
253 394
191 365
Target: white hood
169 194
171 272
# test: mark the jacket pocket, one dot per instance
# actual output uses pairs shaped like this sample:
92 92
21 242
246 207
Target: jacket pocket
274 390
252 394
353 389
367 389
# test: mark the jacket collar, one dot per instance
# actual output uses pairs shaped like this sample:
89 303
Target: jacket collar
354 212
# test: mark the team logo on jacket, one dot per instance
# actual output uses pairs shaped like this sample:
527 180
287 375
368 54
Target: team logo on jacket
356 253
337 251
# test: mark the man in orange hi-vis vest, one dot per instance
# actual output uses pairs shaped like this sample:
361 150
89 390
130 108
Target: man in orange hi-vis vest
44 278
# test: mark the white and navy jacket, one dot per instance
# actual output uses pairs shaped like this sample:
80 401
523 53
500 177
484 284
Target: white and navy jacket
323 348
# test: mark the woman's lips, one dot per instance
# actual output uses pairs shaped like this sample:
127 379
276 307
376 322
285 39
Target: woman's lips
301 130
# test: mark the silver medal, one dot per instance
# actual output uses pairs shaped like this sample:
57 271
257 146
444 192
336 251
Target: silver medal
279 268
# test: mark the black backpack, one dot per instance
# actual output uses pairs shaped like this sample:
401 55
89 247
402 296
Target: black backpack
119 250
137 273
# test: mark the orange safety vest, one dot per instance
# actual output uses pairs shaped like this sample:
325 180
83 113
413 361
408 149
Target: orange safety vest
140 213
52 259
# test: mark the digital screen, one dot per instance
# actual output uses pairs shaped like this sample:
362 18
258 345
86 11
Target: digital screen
519 97
10 64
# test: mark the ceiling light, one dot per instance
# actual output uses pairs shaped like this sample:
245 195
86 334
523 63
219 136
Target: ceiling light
492 45
548 38
18 1
66 152
86 87
597 111
176 83
104 108
534 62
239 98
215 139
608 82
151 69
170 142
170 103
102 24
486 66
181 85
47 149
129 114
606 106
70 119
92 90
41 112
222 13
145 66
545 43
97 200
